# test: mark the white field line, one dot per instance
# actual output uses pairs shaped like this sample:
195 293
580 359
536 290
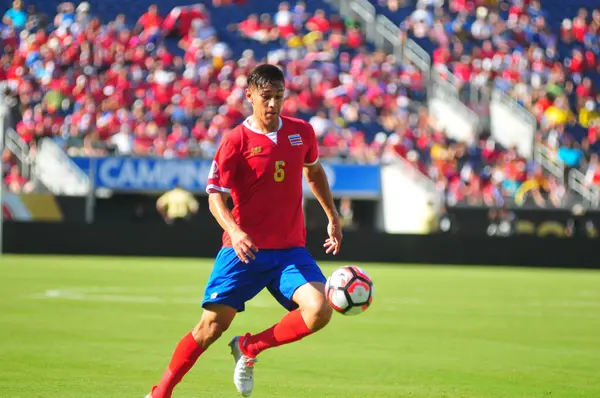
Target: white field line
124 295
532 308
95 294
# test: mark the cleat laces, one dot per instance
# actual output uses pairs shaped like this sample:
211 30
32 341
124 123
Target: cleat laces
247 371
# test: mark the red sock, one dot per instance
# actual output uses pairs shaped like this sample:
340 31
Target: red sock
291 328
184 357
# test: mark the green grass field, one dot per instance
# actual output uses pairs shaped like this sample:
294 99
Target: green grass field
76 327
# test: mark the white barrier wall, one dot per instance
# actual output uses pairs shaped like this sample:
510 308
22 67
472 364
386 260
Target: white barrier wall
407 205
456 125
511 126
58 172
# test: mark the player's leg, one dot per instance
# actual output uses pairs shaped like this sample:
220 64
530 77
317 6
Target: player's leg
215 320
300 289
312 304
230 285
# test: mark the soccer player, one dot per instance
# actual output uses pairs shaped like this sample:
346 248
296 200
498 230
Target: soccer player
260 165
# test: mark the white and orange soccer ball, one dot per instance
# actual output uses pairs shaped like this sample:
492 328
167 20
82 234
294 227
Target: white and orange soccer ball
349 290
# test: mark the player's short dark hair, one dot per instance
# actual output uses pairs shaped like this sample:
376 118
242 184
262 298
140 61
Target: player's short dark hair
264 75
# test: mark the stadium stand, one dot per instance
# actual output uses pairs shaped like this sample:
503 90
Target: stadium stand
546 62
101 79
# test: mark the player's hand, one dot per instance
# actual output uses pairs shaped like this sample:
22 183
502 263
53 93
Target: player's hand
243 246
334 230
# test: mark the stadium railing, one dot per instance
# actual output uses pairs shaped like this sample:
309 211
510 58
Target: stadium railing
458 120
387 36
591 195
576 179
15 144
546 158
361 11
417 55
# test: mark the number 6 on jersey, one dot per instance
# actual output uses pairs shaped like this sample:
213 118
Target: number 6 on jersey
279 172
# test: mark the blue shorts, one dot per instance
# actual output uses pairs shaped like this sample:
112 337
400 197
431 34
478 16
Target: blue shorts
233 282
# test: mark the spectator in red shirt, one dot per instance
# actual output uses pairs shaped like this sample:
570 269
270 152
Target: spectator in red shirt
179 20
584 91
462 69
270 30
318 22
461 6
354 38
441 56
200 130
15 182
283 21
579 28
151 19
9 39
250 27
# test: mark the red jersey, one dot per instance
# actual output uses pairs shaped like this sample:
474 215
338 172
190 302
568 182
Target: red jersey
263 173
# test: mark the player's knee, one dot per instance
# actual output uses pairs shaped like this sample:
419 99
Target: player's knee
324 314
317 315
208 331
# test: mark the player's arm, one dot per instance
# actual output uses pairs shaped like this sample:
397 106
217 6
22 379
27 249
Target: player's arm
220 181
242 244
317 181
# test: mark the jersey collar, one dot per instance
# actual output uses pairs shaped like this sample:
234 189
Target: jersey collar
249 127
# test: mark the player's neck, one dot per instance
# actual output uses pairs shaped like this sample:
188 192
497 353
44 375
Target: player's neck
262 127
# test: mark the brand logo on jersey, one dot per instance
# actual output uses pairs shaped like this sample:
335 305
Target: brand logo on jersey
295 139
256 150
214 170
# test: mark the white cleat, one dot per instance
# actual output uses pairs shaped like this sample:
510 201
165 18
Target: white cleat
243 374
148 396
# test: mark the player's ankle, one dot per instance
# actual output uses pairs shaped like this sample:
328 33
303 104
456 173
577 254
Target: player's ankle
245 348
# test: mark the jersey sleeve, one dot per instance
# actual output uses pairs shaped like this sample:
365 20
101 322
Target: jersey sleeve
312 154
222 170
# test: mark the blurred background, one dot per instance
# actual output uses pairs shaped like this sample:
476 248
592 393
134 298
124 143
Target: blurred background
468 117
461 132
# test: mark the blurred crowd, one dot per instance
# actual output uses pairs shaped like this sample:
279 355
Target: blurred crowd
170 86
511 45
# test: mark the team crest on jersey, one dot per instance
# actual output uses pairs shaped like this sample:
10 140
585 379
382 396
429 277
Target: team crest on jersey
295 139
256 150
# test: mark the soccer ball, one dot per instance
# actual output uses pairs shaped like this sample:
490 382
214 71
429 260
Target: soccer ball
349 290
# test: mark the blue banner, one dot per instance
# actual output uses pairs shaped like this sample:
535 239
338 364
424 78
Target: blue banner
127 174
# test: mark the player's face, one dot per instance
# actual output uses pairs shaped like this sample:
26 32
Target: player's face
267 102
